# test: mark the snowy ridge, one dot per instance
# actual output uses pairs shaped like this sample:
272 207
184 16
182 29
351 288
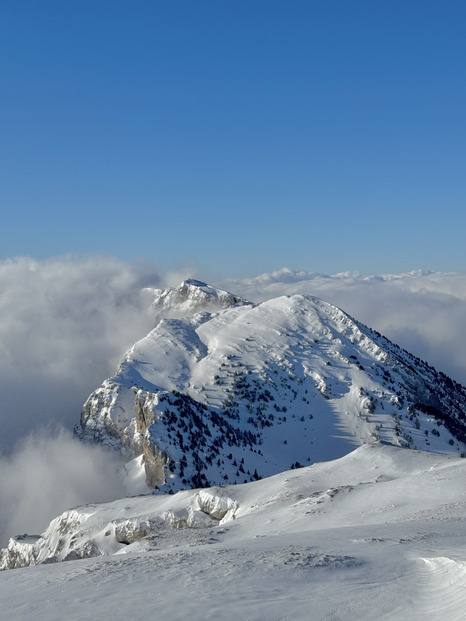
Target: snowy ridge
250 391
377 534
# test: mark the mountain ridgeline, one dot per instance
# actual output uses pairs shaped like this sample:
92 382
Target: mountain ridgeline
223 391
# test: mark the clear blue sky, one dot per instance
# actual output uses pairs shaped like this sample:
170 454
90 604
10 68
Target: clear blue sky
239 135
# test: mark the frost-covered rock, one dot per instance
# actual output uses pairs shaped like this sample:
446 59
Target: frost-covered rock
20 552
60 542
189 518
129 531
216 503
96 530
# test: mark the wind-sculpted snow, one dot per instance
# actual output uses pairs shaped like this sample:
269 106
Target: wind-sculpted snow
442 581
377 534
252 390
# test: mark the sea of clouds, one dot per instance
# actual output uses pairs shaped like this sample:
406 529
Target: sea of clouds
65 323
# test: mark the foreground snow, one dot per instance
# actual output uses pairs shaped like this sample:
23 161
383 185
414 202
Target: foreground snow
377 534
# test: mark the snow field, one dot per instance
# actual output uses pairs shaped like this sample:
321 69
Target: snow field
377 534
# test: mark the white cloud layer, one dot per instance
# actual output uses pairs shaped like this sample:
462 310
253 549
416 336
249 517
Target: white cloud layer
64 325
49 473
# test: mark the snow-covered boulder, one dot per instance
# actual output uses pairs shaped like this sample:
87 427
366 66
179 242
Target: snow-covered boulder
216 503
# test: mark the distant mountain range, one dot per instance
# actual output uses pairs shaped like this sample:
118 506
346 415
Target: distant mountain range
223 391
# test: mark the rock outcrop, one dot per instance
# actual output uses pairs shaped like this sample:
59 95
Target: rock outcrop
95 530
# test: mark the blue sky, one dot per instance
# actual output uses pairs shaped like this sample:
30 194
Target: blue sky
237 136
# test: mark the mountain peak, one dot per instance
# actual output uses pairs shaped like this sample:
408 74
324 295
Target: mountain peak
190 297
253 390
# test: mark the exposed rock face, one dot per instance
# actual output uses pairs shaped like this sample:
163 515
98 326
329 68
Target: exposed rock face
129 531
58 543
216 503
254 390
21 552
155 461
95 530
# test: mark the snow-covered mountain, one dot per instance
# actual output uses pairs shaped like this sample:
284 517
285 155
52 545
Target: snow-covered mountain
225 391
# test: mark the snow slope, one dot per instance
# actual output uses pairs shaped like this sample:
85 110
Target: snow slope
377 534
252 390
